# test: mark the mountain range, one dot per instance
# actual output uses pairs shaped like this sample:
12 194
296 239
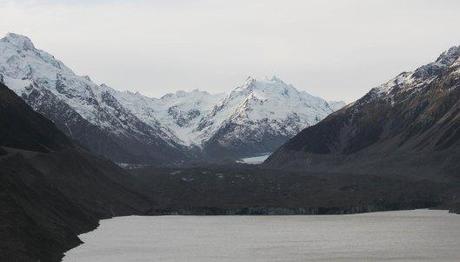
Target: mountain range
398 147
255 118
52 190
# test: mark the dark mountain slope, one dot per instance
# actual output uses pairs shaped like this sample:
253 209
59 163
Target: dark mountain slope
53 190
409 124
23 128
408 127
38 221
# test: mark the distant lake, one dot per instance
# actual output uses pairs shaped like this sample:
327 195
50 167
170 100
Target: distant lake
419 235
255 160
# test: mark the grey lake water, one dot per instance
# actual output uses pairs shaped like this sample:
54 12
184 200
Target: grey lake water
418 235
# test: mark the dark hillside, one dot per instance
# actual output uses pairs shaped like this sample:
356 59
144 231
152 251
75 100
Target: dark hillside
50 189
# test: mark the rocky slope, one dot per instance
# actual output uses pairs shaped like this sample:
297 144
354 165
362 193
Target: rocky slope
126 127
407 126
50 189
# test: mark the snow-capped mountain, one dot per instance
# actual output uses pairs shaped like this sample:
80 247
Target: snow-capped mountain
254 118
259 116
87 112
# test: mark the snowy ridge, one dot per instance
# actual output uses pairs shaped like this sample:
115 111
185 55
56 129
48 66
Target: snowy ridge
179 113
410 81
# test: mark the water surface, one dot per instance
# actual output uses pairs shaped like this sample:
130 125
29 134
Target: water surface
255 160
419 235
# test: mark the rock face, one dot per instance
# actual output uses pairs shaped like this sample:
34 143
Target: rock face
81 109
50 189
126 127
409 125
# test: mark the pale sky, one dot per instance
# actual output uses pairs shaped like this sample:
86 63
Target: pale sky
334 49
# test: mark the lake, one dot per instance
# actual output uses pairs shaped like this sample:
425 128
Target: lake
255 160
418 235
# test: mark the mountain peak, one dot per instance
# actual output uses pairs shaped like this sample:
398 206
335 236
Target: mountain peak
20 41
275 79
450 56
251 83
250 80
248 84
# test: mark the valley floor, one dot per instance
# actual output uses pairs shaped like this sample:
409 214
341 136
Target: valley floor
427 235
250 190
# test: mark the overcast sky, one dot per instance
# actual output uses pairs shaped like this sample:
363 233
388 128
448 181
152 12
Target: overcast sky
334 49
